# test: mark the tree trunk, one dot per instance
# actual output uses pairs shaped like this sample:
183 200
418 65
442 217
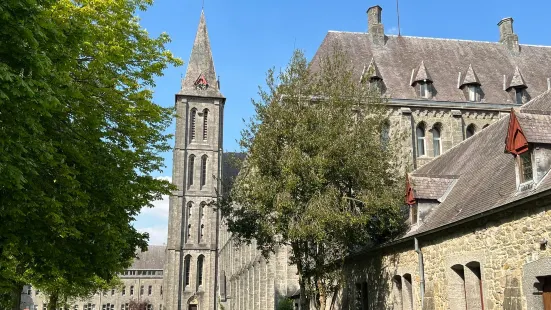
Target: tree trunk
53 300
322 294
16 296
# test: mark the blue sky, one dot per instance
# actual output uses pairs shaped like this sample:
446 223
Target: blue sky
249 37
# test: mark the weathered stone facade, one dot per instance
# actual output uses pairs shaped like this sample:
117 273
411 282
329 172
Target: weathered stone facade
504 245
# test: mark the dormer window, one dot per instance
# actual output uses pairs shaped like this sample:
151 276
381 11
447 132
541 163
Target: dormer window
424 91
474 92
525 167
414 213
374 84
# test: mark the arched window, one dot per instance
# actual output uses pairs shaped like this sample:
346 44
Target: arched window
473 279
191 170
203 170
187 267
436 145
420 133
200 260
205 123
192 122
201 225
471 130
407 292
188 221
457 282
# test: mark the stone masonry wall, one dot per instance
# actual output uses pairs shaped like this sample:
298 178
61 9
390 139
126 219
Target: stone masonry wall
505 248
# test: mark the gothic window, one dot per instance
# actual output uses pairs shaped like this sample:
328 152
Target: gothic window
436 145
205 123
149 307
188 221
192 122
187 266
203 170
420 132
190 169
474 92
200 271
201 225
471 130
525 167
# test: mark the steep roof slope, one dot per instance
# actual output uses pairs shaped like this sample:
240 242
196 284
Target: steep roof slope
485 174
153 258
444 59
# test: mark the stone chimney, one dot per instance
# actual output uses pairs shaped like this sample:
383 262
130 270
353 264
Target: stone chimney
507 35
374 26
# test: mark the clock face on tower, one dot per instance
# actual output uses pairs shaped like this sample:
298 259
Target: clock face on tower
201 83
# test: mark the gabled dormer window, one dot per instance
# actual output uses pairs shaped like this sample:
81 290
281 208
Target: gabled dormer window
524 165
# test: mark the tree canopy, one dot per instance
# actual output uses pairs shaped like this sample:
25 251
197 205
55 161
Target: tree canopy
322 174
80 137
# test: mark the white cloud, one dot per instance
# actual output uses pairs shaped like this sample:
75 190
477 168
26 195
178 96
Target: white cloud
160 207
157 234
392 30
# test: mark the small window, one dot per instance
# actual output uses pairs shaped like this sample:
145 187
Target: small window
519 93
474 92
161 291
420 140
192 124
525 167
141 290
436 145
30 290
414 210
132 290
200 270
203 170
112 292
424 89
364 296
123 293
190 169
187 266
471 130
149 290
397 292
205 124
375 85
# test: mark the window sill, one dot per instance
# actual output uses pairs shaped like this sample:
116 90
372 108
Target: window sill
526 186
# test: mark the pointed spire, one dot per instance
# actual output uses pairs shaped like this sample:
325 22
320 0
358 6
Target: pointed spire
517 80
371 72
200 79
470 77
421 75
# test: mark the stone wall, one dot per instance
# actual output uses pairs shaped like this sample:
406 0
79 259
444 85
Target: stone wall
500 254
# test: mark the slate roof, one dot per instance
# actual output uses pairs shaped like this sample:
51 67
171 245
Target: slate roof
470 77
201 64
427 187
153 258
444 59
485 173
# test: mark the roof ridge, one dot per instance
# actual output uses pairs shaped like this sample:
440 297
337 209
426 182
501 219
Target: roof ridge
434 38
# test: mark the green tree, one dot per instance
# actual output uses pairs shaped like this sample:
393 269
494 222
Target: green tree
320 174
79 138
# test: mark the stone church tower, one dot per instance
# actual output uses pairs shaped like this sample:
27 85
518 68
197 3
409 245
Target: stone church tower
190 270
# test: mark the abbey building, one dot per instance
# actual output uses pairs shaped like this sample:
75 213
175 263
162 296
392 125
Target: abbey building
477 119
